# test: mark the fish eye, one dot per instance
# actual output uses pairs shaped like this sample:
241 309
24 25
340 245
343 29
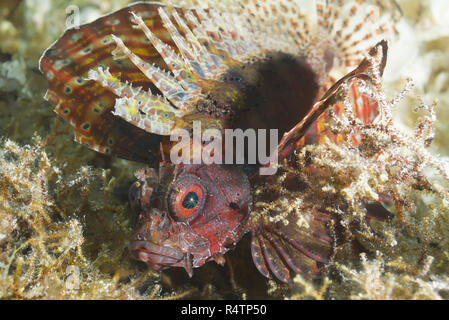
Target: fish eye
186 201
190 201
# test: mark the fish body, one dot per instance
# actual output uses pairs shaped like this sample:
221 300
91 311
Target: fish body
128 80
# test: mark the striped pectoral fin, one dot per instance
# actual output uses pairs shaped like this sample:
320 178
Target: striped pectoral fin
96 127
284 251
258 256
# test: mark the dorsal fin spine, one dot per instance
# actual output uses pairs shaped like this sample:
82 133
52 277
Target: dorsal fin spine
167 84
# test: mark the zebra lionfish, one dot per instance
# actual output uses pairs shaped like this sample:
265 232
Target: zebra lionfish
126 81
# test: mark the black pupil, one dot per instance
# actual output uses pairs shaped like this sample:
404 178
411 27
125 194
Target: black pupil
190 200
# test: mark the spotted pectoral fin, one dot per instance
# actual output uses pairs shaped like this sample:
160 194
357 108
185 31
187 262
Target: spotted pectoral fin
313 127
87 105
107 133
284 251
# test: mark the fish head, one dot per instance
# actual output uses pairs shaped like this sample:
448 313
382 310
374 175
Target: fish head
189 214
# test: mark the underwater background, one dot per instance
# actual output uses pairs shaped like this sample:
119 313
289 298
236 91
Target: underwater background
65 219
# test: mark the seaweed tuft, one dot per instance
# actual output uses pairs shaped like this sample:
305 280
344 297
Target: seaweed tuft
56 241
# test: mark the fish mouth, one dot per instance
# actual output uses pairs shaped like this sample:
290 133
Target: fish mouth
156 256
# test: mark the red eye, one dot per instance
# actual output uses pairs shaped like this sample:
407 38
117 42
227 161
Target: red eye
186 202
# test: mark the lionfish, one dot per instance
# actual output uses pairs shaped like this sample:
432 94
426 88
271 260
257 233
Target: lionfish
126 81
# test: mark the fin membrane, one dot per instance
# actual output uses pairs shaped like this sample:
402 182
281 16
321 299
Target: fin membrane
87 105
284 251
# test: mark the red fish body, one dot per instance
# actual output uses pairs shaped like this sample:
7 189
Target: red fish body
260 66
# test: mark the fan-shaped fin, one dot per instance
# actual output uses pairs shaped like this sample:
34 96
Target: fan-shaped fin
86 104
356 25
284 252
202 45
307 243
287 250
323 30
